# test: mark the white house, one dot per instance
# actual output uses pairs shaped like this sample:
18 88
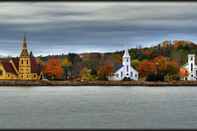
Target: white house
125 69
191 68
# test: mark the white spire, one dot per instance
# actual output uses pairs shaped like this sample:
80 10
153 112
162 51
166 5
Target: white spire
126 53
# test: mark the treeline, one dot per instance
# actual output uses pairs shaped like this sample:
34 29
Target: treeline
158 63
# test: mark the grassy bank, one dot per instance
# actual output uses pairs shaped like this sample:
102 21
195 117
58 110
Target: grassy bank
94 83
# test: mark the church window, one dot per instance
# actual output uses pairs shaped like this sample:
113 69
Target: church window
191 67
131 74
21 61
127 68
136 75
27 61
34 75
121 74
127 60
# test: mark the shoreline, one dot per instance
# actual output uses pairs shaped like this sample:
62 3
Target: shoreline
94 83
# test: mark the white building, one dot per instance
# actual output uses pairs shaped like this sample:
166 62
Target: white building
125 69
191 68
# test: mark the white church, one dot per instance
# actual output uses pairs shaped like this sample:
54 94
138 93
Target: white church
191 68
125 69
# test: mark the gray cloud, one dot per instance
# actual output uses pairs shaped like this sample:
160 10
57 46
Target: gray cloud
64 27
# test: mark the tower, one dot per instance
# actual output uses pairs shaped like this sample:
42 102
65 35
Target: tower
126 63
24 62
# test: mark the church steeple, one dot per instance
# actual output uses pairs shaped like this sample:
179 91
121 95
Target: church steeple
24 52
24 43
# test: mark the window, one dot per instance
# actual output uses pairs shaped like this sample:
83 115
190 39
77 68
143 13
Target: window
1 72
34 76
191 58
21 61
131 74
191 67
27 61
121 74
127 60
127 68
136 75
117 75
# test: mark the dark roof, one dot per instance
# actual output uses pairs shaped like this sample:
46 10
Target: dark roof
116 67
35 67
8 67
16 62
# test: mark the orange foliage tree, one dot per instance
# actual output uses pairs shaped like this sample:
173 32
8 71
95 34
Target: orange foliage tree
146 67
183 72
53 68
104 71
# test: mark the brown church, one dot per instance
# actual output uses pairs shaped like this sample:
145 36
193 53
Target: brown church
23 67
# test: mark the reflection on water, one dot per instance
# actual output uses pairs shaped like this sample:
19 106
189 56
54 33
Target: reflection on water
98 107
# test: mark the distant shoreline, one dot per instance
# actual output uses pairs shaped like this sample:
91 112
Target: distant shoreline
94 83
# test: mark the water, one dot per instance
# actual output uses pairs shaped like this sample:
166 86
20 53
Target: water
98 107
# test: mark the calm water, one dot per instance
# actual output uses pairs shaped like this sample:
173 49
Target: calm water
98 107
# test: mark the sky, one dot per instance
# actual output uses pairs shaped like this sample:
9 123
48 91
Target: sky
66 27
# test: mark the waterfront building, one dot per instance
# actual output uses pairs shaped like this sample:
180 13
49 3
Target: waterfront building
191 67
124 70
23 67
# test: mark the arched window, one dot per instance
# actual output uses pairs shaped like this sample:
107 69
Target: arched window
21 61
131 74
191 66
127 68
121 74
27 61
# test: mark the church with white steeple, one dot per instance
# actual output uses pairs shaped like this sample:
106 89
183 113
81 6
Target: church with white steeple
125 70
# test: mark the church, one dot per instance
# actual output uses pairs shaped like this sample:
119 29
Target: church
191 67
124 70
23 67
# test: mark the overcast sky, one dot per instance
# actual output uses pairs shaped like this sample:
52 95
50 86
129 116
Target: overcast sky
62 27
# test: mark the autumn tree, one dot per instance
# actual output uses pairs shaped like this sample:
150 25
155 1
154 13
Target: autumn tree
53 68
183 72
85 74
104 71
146 68
66 64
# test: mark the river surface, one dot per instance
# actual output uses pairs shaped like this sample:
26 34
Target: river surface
98 107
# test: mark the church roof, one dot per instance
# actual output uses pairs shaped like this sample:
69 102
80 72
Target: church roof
8 67
35 67
117 67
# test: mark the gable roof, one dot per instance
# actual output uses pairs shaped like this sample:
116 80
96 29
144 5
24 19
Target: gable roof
8 67
117 67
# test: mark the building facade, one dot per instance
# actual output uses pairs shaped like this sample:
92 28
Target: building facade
191 67
23 67
125 70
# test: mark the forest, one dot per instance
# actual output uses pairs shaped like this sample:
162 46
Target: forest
163 62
